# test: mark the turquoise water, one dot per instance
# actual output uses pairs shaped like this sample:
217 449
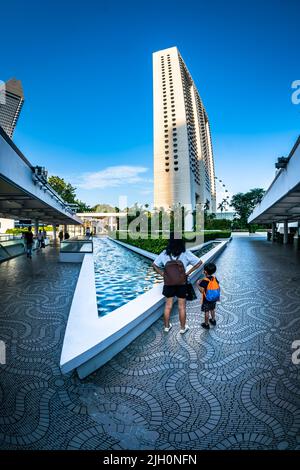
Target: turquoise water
122 275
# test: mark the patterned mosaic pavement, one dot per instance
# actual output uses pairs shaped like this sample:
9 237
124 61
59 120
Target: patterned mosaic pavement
232 387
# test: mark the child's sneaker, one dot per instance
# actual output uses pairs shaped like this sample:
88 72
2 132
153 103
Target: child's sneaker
167 328
205 326
184 330
212 322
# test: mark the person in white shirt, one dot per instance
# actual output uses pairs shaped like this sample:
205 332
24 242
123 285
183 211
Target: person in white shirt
176 250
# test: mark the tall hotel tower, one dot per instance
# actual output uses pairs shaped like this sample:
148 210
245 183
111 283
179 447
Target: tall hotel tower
11 102
183 156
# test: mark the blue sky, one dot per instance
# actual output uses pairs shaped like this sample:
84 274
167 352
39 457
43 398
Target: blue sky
86 69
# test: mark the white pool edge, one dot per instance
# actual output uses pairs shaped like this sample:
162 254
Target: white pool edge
90 341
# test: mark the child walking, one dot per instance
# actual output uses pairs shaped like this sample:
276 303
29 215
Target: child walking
210 288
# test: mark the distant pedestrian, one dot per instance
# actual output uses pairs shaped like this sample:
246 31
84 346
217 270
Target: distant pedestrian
40 239
29 242
210 288
61 235
67 236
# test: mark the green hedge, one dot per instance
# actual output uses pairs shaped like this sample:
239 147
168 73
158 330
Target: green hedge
17 231
158 245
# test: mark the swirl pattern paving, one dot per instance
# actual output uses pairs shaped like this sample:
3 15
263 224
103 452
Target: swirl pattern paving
232 387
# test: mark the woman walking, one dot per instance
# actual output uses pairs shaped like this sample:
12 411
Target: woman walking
174 260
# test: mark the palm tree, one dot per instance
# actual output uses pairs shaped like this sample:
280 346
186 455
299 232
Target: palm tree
223 204
206 205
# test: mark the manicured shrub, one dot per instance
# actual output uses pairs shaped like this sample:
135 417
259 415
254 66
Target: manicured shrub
158 245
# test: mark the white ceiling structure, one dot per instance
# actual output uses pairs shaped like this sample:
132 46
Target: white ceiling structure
282 200
25 194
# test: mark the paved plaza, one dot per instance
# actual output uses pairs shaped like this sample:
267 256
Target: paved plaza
232 387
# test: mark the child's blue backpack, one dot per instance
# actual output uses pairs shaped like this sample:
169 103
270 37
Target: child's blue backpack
212 292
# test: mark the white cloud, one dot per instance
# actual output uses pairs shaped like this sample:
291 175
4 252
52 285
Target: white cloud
112 176
146 192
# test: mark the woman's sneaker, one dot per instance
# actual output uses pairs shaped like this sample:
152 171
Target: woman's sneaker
167 328
184 330
205 326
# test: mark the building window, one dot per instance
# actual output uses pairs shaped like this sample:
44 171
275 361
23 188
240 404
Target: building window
176 168
167 169
173 119
174 140
166 146
166 141
166 125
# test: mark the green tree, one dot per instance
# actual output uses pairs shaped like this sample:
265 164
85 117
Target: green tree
103 208
244 203
67 192
64 189
82 206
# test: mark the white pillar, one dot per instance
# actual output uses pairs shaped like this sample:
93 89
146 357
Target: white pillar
285 232
111 225
54 233
36 227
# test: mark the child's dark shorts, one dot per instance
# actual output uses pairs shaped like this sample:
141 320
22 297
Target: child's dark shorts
207 306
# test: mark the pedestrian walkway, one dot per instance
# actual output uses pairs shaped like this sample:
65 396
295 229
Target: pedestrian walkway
232 387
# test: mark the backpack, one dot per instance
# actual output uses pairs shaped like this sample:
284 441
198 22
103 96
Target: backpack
212 291
174 273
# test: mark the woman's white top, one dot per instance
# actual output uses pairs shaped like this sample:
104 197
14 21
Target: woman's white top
186 257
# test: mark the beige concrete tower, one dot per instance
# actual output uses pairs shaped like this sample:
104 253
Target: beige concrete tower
183 155
11 105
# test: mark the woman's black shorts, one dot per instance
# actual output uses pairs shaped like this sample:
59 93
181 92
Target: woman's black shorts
175 291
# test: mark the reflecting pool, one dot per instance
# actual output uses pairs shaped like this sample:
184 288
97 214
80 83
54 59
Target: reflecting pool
122 275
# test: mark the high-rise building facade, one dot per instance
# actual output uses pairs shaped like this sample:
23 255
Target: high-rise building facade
12 99
183 156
